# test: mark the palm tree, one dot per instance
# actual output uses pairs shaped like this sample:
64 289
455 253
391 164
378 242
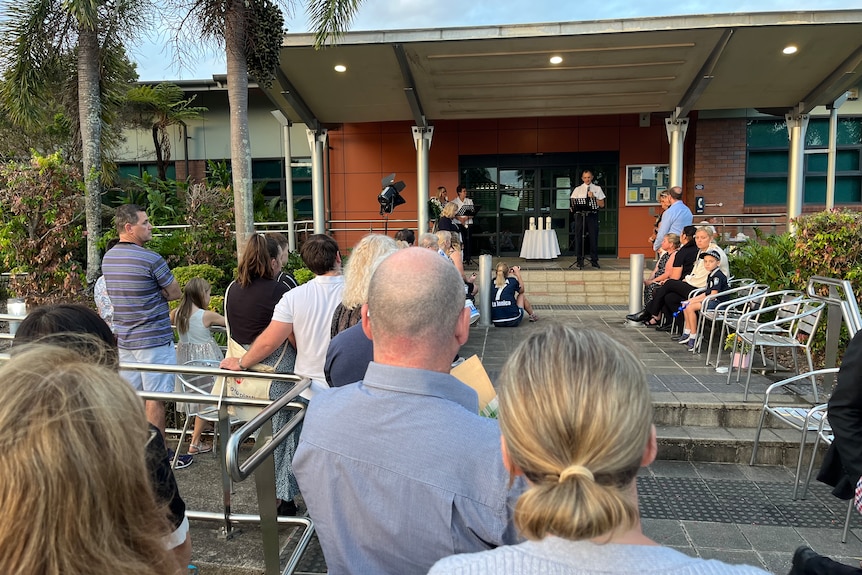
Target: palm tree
251 33
157 108
39 36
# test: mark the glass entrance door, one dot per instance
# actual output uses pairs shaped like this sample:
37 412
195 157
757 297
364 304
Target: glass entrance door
509 191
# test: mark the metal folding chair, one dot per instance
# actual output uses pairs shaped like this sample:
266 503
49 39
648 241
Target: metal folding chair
788 331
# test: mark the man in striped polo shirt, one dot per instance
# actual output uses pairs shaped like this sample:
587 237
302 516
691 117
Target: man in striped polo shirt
140 286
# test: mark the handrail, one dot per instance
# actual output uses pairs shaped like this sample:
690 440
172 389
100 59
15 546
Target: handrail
241 471
849 305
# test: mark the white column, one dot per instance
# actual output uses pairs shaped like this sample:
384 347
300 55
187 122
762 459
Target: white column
317 143
830 158
676 129
797 124
422 142
288 191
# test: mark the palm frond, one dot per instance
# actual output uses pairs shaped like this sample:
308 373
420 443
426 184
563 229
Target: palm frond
330 19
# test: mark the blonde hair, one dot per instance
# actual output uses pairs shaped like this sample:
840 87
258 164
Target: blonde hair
500 277
576 414
194 295
455 240
76 493
360 266
442 194
673 239
444 240
449 210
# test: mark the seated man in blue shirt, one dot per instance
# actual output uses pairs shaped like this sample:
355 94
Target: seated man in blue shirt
398 470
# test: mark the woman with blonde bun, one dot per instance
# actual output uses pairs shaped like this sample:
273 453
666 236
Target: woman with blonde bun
576 419
76 494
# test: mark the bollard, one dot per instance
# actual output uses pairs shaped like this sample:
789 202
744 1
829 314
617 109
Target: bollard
484 292
636 285
15 306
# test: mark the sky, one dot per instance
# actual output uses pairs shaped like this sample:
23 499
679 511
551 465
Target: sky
156 62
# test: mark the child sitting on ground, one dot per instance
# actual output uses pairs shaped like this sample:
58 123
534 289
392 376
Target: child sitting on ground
193 320
716 282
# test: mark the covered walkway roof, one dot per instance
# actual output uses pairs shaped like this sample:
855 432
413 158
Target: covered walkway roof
667 65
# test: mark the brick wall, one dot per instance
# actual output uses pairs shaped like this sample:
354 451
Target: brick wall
719 164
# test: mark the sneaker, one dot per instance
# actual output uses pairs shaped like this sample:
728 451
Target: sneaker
691 343
684 338
183 461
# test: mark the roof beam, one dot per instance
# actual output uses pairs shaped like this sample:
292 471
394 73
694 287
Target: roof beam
703 78
293 97
410 91
830 89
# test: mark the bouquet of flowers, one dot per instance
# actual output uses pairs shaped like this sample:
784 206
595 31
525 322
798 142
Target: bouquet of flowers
729 341
435 208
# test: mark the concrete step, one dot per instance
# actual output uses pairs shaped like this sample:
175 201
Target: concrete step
724 433
576 287
733 445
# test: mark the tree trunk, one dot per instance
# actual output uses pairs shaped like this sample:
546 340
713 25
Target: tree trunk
240 144
90 117
160 161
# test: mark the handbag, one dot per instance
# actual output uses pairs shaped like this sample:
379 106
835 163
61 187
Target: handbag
253 388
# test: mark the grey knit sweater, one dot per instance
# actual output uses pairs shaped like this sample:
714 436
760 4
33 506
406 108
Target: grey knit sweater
555 556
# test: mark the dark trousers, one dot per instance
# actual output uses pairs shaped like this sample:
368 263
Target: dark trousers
466 234
591 221
667 298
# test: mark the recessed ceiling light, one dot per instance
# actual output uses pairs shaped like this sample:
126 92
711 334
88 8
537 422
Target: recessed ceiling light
556 59
340 68
790 49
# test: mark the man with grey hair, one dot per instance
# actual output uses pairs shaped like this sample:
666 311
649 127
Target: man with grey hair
428 241
674 219
398 470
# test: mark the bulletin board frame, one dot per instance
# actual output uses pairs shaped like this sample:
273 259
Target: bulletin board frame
645 182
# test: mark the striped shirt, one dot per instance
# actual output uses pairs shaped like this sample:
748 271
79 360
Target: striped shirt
135 277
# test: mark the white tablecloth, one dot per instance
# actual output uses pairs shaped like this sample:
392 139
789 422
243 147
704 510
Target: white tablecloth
540 245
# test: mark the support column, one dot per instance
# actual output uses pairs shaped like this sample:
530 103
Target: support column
288 190
422 142
317 143
676 129
288 177
797 124
831 153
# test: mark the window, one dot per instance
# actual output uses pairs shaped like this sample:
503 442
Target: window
768 162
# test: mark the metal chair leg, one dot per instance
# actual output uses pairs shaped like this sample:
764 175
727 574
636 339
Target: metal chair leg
847 521
180 442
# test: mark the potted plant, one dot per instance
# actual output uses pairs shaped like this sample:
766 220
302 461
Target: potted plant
742 354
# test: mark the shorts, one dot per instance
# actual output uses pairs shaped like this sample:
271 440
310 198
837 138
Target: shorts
147 381
712 304
514 322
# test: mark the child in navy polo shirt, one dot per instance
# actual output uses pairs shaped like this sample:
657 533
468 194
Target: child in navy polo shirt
716 282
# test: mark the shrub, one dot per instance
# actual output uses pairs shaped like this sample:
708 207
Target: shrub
42 229
766 259
828 243
303 275
212 274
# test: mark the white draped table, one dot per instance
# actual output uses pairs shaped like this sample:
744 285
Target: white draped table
540 245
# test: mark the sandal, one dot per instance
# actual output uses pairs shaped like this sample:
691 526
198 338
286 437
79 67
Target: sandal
652 322
198 448
534 317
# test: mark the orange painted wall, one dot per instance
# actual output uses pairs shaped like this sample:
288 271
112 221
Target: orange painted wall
361 154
